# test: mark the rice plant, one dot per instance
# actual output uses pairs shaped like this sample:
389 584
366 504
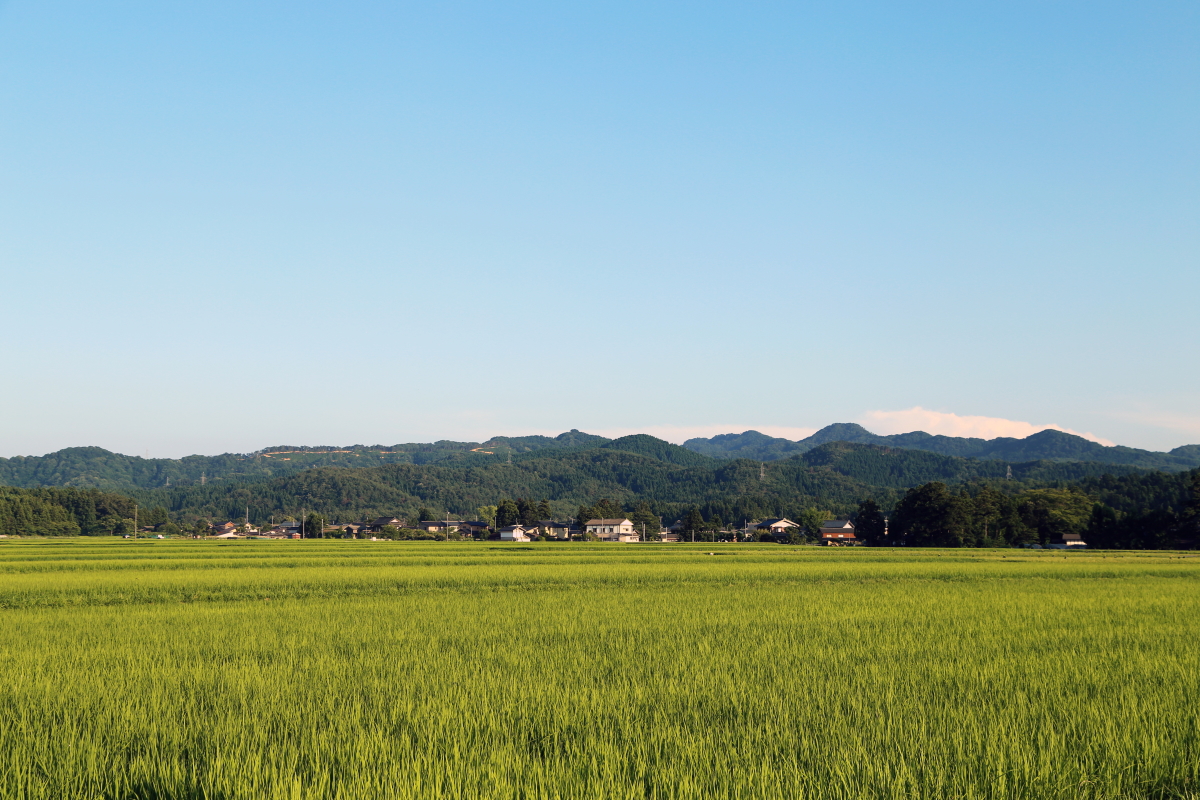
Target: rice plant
394 670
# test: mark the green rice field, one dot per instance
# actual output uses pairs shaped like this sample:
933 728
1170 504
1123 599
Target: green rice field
353 669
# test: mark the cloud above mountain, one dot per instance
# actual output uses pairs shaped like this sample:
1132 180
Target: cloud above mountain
950 424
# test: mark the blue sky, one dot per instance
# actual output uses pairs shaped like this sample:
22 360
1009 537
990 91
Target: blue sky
225 226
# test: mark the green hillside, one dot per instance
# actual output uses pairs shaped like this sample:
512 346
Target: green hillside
833 477
95 467
935 499
66 512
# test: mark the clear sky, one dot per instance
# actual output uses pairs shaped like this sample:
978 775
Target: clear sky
225 226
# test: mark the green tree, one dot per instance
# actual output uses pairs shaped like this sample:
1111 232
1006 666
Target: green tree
693 523
153 516
646 520
923 516
314 526
526 512
985 517
1188 529
507 513
1053 512
607 509
487 515
810 520
424 515
543 510
869 525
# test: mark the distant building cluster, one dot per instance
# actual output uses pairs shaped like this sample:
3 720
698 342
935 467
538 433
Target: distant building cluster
832 532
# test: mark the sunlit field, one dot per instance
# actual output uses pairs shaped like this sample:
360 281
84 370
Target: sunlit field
352 669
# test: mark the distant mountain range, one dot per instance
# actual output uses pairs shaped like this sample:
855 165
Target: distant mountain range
1047 445
742 476
95 467
832 477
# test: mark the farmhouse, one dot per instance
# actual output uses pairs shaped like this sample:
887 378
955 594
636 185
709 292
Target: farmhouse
1067 541
838 531
553 529
516 533
440 526
775 526
612 530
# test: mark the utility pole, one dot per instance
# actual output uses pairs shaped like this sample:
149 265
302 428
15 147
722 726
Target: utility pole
135 528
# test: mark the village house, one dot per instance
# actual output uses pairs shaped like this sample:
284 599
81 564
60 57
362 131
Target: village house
440 526
554 529
1067 541
515 533
775 526
382 522
838 531
612 530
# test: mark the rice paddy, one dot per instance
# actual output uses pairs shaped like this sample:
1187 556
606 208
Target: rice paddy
351 669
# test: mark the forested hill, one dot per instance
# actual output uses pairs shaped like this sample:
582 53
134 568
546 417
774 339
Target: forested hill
1117 506
833 478
1044 445
95 467
68 512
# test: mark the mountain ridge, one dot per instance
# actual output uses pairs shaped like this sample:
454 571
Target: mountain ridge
1047 444
95 467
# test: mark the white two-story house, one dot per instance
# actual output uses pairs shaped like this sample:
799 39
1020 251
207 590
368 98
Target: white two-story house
612 530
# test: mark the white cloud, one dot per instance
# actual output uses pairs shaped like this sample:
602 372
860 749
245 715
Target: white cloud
678 434
947 424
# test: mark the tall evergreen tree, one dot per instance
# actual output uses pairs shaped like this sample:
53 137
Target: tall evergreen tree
644 519
526 512
507 513
869 525
693 523
922 516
